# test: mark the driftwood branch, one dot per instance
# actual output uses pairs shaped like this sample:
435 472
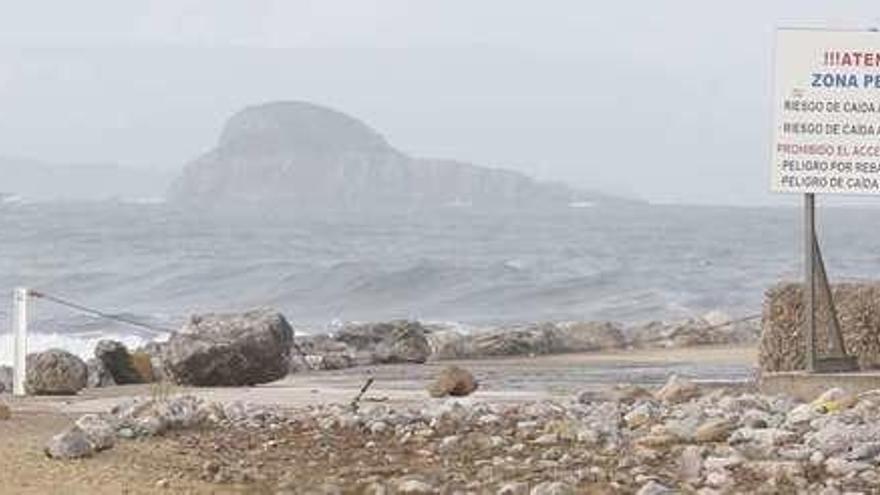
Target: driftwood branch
357 398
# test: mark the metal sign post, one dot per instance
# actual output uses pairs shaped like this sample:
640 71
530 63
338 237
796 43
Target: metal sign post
810 280
835 358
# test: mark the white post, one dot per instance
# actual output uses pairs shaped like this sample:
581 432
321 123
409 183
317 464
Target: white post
19 368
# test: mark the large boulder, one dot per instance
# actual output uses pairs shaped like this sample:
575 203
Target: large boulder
523 341
230 349
321 352
534 339
119 363
152 351
397 341
55 372
446 342
713 328
586 337
98 374
677 390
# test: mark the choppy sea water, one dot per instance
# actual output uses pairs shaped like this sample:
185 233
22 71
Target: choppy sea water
635 263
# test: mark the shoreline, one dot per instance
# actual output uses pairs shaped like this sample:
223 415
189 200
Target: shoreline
518 379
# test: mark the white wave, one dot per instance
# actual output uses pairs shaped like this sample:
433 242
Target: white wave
82 346
11 199
515 264
452 326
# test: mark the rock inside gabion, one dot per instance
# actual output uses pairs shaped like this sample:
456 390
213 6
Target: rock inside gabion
782 346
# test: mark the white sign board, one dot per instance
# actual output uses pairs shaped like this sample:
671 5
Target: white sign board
827 112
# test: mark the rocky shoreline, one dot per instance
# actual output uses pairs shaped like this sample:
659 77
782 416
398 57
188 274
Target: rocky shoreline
261 346
405 341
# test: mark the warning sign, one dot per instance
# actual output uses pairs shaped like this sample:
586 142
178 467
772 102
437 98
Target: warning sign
827 112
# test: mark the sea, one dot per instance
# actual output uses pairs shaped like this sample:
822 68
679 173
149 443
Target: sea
156 264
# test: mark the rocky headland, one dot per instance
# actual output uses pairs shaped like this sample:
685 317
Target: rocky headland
313 158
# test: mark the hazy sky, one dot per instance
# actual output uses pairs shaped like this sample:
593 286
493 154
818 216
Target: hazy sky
666 100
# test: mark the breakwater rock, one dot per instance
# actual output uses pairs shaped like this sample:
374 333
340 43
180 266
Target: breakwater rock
230 349
258 347
411 341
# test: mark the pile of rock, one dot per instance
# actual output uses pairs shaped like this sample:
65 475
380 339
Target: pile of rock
713 328
410 341
321 352
136 418
528 340
398 341
782 342
624 440
679 437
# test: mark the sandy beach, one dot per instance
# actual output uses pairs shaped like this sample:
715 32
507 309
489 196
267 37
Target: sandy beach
171 465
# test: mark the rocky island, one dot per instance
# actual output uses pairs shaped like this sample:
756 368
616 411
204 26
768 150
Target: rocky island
312 157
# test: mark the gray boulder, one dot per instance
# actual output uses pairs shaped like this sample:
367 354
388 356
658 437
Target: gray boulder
73 443
398 341
155 351
230 349
713 328
99 429
117 361
586 337
536 339
446 342
55 372
320 352
144 418
98 374
517 341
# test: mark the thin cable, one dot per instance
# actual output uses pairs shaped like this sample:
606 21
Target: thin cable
731 322
98 313
108 316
